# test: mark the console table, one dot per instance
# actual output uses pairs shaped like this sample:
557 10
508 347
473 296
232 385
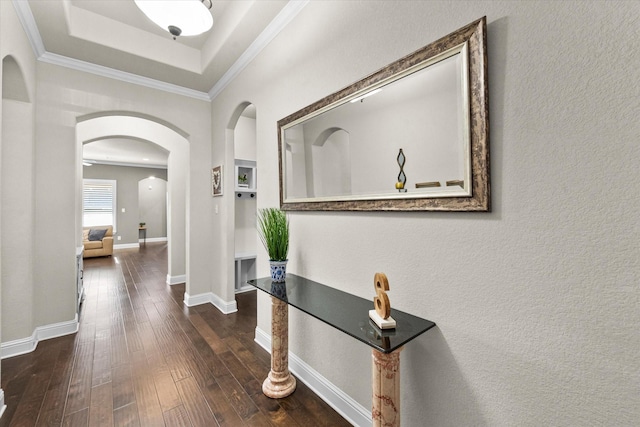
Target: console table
349 314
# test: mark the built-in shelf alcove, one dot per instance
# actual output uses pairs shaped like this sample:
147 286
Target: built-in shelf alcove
245 186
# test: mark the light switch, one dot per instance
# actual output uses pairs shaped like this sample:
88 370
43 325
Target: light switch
122 210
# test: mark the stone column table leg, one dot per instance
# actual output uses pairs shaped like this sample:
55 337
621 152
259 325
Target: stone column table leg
386 388
280 383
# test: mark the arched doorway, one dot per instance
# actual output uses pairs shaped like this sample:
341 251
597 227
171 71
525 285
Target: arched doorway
241 142
135 126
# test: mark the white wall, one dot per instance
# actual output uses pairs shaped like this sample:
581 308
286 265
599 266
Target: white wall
14 42
17 219
17 180
152 204
245 207
536 302
245 138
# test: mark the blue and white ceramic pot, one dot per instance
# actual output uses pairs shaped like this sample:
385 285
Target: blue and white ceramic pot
278 271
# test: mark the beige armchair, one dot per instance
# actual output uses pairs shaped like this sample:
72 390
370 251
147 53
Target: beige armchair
103 246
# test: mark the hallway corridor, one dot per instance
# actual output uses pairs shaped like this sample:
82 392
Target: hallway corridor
142 358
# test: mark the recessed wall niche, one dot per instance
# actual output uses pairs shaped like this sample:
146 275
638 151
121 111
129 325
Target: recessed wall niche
245 185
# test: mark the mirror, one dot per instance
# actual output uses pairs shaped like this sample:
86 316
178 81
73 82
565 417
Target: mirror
411 136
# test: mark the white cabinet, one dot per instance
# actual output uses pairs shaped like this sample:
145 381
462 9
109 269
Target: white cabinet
245 179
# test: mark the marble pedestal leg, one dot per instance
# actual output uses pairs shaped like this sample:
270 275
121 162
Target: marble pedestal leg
280 382
386 388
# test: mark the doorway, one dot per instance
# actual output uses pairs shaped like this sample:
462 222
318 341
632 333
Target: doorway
150 130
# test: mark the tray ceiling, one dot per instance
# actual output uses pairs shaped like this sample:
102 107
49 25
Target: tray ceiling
116 35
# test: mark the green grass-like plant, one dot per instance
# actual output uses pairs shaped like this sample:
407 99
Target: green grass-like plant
273 227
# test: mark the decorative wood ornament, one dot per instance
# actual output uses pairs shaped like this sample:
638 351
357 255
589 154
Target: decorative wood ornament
381 300
382 313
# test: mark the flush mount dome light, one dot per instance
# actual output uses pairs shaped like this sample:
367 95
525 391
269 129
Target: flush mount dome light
179 17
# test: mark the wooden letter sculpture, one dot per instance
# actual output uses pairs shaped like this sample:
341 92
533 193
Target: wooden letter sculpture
382 313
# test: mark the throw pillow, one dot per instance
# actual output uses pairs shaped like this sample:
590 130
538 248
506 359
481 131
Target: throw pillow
97 234
85 235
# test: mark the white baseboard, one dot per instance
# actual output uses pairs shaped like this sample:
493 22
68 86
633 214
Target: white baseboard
41 333
174 280
351 410
140 242
226 307
154 239
126 246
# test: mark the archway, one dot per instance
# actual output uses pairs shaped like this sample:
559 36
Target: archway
172 139
242 237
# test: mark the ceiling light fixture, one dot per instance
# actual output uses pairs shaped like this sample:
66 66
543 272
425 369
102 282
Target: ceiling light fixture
179 17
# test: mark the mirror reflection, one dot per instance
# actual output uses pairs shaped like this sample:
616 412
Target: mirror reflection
352 150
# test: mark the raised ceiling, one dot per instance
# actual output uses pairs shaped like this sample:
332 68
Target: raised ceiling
115 39
117 35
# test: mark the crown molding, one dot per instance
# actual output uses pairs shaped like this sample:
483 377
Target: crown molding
291 9
25 16
75 64
288 12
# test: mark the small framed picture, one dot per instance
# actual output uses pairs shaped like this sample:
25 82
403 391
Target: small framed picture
216 181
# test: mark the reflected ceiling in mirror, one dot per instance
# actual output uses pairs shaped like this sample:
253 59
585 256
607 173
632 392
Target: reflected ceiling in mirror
412 136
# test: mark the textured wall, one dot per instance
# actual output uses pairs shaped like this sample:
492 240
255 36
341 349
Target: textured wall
16 223
152 199
17 177
536 302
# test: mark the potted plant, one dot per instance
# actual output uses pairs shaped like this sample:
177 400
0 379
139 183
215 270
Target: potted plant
273 227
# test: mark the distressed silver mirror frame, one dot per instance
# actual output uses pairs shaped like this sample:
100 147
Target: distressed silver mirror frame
474 37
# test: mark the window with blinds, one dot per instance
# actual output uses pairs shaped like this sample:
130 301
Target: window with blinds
99 202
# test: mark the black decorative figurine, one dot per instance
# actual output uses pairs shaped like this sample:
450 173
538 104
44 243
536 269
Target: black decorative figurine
402 178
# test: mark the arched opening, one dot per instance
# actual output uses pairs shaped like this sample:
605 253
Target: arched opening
174 142
242 143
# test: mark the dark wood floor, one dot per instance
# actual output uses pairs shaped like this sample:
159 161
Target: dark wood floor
141 358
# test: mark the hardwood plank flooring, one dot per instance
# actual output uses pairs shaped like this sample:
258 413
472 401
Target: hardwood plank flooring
141 358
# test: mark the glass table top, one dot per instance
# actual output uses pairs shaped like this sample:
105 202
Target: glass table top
346 312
